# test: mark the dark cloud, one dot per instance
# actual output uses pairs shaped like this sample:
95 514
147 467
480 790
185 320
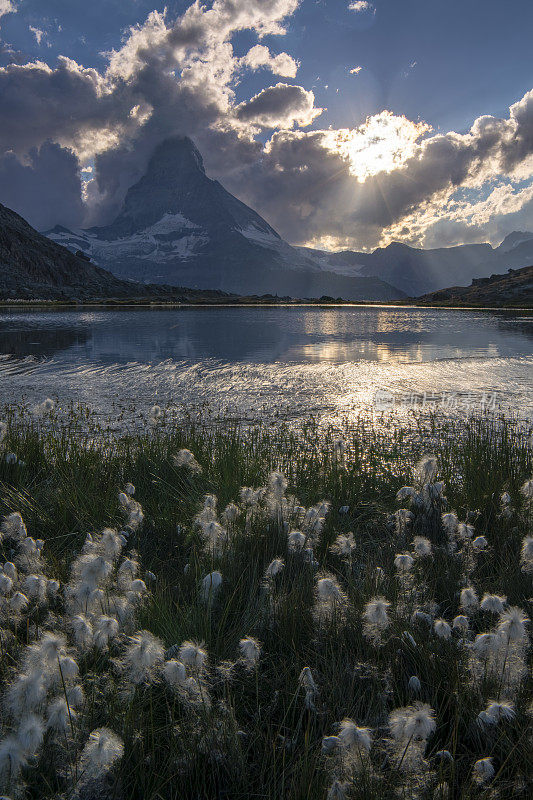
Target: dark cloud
46 190
282 104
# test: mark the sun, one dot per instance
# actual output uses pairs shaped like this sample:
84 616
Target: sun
381 144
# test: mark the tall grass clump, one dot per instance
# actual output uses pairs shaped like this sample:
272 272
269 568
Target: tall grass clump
219 611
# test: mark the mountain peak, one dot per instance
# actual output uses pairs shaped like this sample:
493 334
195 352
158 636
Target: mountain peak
175 157
514 239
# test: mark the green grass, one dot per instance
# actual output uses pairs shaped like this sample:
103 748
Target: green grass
258 740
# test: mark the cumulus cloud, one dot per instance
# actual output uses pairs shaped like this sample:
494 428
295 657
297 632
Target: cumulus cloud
45 189
260 56
38 33
280 106
360 6
7 7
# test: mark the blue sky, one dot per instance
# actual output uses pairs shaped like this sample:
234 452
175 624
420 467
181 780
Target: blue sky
444 64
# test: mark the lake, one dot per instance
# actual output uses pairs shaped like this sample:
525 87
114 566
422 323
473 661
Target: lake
257 361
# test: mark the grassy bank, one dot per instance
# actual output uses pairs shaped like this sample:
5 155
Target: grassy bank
236 714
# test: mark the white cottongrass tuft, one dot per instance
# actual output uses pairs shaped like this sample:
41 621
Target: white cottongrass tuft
296 541
210 586
330 599
526 554
402 520
12 758
465 531
175 673
375 613
344 545
276 566
469 600
351 735
193 655
105 630
422 546
330 743
13 527
480 543
250 498
493 603
10 570
307 681
329 591
442 629
450 523
46 407
215 536
250 651
375 619
143 657
412 722
483 770
496 712
59 716
405 492
512 625
103 749
155 415
486 644
30 733
403 562
83 631
460 623
527 490
426 469
230 513
338 789
414 684
26 694
277 485
184 458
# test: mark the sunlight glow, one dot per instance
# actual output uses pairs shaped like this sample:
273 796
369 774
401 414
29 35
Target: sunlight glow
381 144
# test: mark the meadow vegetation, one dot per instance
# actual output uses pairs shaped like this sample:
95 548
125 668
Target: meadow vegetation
217 611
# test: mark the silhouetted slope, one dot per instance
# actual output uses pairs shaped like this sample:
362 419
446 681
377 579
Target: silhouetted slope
512 289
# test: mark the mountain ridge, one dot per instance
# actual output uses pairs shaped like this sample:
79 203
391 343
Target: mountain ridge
178 226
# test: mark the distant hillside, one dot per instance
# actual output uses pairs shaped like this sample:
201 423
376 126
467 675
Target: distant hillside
418 271
515 288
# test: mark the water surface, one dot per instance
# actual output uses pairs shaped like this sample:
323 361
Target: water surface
262 361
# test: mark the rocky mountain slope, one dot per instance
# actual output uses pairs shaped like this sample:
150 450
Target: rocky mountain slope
178 226
34 267
515 288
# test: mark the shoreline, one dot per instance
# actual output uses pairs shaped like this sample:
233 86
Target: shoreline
113 305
